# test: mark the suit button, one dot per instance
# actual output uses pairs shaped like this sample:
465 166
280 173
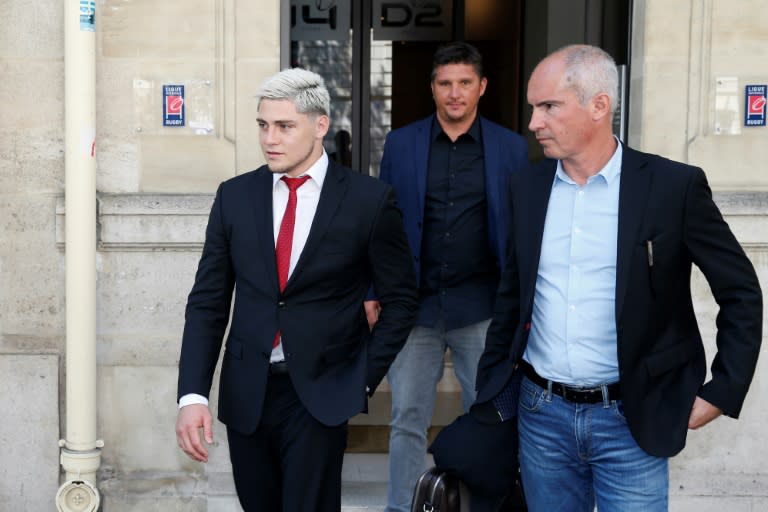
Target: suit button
281 304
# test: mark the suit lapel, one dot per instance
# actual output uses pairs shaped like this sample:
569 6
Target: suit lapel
262 202
421 145
331 195
633 198
491 150
537 202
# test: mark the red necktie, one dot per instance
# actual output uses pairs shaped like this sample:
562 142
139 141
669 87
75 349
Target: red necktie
285 237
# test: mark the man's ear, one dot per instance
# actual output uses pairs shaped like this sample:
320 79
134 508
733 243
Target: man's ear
483 85
601 106
322 124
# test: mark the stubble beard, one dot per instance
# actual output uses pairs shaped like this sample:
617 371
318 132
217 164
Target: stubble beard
463 115
288 168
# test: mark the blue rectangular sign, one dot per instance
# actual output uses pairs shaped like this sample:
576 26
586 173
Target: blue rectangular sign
173 105
754 106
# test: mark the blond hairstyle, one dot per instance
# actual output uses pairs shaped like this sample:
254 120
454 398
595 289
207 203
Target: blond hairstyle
302 87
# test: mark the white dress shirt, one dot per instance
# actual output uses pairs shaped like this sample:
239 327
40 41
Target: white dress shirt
307 197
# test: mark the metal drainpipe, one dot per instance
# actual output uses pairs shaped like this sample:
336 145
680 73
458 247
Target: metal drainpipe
80 451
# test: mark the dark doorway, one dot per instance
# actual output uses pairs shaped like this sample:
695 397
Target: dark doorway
495 29
376 57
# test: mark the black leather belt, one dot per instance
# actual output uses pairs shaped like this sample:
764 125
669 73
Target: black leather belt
278 368
571 393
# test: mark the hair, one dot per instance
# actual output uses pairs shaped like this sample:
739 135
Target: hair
304 88
589 71
457 53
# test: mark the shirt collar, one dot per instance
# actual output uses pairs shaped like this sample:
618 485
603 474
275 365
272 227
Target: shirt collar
317 172
607 174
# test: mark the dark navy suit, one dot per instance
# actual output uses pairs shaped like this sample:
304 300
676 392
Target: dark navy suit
405 163
356 240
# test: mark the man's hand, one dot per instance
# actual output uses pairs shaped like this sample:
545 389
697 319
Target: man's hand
191 419
702 413
372 310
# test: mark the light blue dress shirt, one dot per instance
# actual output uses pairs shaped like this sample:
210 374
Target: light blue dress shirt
573 328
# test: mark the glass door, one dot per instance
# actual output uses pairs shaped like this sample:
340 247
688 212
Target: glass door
376 58
323 37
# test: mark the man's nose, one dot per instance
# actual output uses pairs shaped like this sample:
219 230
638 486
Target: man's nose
535 123
269 135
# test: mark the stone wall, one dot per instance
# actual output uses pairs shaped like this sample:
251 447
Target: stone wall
220 50
31 269
680 50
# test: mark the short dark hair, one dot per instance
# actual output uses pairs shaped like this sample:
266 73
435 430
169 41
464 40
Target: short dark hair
457 52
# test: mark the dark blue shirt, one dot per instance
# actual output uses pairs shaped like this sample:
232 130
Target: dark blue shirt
459 273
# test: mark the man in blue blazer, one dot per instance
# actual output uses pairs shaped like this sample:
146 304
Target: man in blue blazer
595 310
450 172
298 243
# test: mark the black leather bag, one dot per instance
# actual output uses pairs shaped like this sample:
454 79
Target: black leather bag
437 491
481 451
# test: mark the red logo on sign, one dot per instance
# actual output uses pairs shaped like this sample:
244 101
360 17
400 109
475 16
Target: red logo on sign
756 104
173 105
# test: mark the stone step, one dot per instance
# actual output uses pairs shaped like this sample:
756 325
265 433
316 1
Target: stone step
363 496
364 481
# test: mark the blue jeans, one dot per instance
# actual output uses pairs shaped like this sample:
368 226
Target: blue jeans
413 378
575 456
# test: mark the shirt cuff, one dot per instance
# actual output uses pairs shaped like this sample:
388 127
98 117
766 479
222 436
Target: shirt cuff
192 398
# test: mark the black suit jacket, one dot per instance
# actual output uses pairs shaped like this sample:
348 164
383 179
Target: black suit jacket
356 239
661 357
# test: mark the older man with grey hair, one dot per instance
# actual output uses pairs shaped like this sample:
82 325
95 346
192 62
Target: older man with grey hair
301 239
594 308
